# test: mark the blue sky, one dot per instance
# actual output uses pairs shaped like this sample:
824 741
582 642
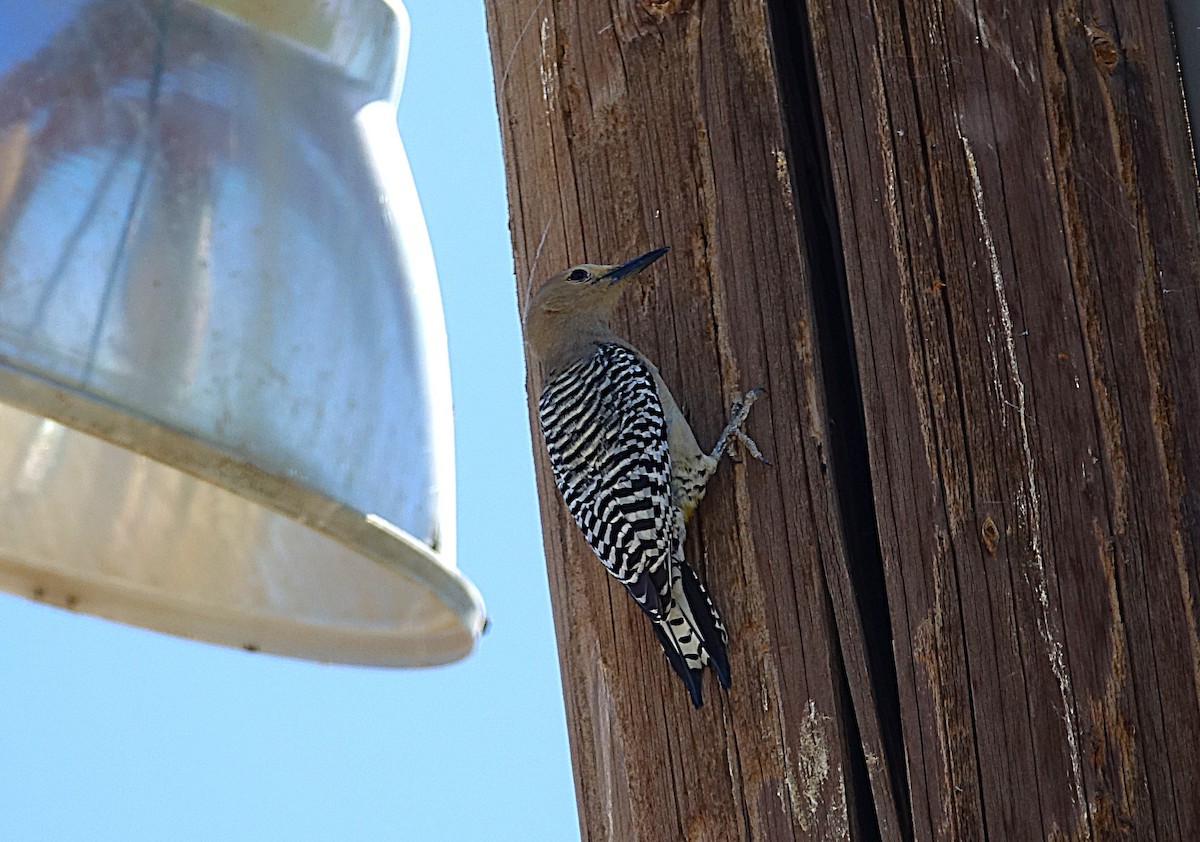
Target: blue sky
114 733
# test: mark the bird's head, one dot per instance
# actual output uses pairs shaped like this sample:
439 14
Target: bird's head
570 308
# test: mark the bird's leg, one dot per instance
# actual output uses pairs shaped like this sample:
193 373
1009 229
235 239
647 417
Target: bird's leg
691 484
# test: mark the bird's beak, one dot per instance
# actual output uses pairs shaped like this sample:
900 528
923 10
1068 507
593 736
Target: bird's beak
632 267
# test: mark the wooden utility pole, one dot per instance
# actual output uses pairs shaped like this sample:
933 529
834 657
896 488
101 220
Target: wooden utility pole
959 244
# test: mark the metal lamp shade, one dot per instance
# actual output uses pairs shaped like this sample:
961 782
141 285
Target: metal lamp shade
224 387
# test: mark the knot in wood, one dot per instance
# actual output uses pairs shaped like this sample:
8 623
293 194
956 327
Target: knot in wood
1104 49
989 535
660 10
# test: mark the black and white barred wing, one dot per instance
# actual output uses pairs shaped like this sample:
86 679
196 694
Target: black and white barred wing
603 423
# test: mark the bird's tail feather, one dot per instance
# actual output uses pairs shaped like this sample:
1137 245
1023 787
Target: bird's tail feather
692 634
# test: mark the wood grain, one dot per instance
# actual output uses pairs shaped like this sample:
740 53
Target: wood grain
1021 254
958 244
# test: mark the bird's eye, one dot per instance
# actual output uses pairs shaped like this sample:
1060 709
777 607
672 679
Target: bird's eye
578 275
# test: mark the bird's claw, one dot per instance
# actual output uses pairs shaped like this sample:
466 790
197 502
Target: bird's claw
752 447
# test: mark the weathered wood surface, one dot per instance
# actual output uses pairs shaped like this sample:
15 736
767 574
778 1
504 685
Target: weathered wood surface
1019 218
993 361
622 133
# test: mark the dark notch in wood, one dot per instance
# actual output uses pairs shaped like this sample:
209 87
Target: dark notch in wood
817 219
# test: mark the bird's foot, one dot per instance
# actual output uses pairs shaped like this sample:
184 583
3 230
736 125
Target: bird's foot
738 413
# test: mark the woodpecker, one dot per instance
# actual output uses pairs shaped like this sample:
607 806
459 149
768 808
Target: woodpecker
626 460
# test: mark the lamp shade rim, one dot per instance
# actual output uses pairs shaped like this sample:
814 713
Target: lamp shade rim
444 634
